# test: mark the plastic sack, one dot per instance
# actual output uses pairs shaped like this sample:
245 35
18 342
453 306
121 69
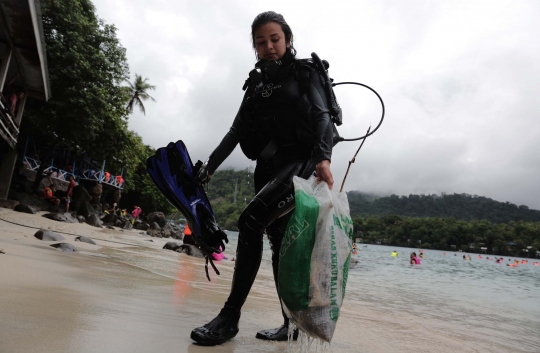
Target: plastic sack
314 258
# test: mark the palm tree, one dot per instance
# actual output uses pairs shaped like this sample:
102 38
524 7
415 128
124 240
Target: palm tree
138 93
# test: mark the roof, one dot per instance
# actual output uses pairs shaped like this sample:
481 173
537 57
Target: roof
22 29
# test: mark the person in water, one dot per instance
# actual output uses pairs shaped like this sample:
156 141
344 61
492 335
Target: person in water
414 259
394 254
286 127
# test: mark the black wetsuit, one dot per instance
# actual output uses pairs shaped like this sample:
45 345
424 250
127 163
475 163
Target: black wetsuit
294 118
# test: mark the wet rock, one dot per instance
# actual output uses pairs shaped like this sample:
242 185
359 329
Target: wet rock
172 245
154 231
85 240
61 217
110 218
190 250
86 210
65 247
2 251
81 219
24 208
79 197
94 221
141 225
48 235
126 225
157 217
149 240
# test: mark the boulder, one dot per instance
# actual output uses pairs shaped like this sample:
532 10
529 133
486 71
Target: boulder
191 250
154 230
86 210
85 240
61 217
110 218
65 247
126 225
81 219
48 235
172 245
157 217
79 197
94 221
24 208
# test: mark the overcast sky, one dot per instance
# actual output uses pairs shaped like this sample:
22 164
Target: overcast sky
460 80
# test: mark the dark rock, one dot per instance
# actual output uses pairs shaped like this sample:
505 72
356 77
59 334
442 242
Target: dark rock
154 230
140 225
119 222
110 218
85 240
65 247
109 226
79 197
24 208
191 250
61 217
48 235
149 240
157 217
97 207
94 221
126 225
81 219
172 245
86 210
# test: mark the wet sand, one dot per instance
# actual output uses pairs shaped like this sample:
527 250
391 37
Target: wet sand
126 294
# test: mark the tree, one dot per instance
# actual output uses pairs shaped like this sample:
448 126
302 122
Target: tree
138 93
86 64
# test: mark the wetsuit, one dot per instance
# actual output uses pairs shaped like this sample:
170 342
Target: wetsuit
296 122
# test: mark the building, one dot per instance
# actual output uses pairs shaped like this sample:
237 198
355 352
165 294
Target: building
23 75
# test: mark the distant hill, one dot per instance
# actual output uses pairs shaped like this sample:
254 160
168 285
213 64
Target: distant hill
459 206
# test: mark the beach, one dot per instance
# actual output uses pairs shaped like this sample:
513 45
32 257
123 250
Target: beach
127 294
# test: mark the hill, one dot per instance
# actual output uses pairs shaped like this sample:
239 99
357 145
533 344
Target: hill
465 207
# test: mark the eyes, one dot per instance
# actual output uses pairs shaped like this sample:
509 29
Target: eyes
274 40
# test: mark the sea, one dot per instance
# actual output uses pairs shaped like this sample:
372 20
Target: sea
446 304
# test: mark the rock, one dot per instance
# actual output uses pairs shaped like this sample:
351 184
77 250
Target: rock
94 221
172 245
96 193
48 235
119 222
154 230
65 247
2 251
79 197
126 225
81 219
61 217
85 240
149 240
157 217
86 210
24 208
141 225
190 250
110 218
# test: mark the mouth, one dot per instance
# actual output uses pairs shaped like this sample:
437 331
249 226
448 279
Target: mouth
270 55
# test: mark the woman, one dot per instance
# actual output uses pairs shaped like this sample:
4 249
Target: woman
414 259
287 129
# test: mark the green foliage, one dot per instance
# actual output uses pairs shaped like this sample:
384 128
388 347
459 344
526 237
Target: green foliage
442 233
458 206
221 193
138 93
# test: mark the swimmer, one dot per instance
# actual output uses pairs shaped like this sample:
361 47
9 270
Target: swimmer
469 257
479 256
536 263
414 260
444 253
464 257
394 254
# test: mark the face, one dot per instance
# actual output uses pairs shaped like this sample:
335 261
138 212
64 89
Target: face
270 41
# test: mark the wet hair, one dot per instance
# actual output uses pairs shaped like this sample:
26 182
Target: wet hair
271 16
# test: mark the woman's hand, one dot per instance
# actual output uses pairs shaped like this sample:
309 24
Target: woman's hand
323 173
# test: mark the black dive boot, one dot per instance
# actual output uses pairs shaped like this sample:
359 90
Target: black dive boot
225 325
280 333
221 329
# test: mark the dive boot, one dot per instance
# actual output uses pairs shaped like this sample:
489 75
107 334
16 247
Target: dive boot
276 334
220 330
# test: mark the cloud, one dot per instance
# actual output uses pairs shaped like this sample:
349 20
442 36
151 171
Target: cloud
459 80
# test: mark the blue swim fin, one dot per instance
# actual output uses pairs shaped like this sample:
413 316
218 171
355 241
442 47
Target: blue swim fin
173 173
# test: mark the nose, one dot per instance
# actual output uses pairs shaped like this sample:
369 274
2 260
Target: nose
269 46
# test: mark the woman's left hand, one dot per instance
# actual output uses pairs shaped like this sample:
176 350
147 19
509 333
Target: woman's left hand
323 173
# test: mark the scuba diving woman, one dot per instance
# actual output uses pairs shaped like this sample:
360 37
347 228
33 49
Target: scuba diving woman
284 124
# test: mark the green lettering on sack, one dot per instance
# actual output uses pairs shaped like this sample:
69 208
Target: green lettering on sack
334 313
295 254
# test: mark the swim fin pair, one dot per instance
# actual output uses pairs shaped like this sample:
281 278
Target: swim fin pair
174 174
